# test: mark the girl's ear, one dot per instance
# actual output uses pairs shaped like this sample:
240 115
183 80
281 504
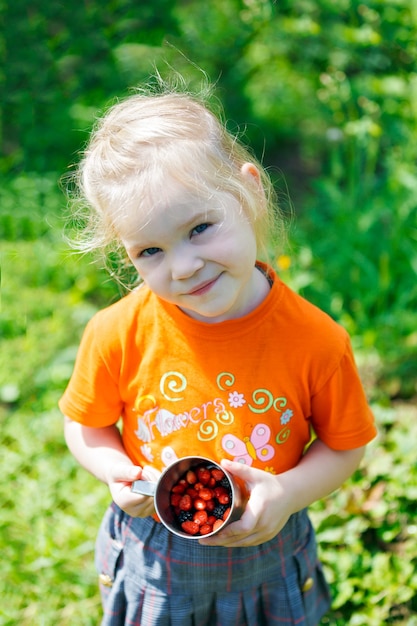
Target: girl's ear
251 172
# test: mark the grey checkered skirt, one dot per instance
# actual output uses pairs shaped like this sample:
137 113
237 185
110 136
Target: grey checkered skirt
150 577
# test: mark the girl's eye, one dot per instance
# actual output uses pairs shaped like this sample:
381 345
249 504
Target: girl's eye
149 252
200 229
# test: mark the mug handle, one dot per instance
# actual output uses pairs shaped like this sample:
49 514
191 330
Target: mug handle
144 487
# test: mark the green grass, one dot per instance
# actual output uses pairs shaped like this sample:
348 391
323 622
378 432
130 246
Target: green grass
367 530
49 512
51 508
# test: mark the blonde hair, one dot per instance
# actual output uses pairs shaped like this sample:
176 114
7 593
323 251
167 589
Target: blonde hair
148 136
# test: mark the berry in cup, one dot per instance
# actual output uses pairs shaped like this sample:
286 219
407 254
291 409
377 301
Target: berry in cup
201 500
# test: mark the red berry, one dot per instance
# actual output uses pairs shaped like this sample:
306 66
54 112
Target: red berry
203 475
217 474
217 524
191 528
185 503
205 529
175 499
211 519
199 504
205 494
191 477
218 491
200 517
224 498
178 488
210 505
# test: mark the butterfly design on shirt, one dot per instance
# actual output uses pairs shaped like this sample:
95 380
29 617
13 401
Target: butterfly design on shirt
248 449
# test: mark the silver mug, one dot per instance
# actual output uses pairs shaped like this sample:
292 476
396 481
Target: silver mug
161 491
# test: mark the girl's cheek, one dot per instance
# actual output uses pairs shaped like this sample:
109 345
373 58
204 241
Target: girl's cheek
153 280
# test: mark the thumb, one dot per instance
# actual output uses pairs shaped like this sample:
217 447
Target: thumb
240 470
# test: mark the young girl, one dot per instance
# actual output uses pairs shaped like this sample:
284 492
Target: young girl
213 356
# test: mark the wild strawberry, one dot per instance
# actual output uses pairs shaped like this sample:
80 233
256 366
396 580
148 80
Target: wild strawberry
178 488
218 491
175 499
199 504
191 528
211 519
191 477
224 498
217 474
185 503
210 504
205 529
217 524
200 517
192 493
203 475
205 494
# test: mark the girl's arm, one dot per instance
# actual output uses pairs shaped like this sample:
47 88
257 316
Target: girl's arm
273 498
101 452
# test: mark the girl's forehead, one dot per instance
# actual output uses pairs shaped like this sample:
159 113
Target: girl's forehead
176 199
175 204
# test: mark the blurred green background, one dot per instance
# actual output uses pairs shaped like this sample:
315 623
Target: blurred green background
325 92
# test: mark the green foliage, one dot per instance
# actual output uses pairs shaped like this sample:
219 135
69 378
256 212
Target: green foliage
64 67
356 250
367 532
47 294
49 510
289 71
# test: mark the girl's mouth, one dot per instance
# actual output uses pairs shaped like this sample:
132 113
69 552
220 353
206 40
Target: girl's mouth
203 287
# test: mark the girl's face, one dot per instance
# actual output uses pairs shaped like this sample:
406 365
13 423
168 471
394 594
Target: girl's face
197 253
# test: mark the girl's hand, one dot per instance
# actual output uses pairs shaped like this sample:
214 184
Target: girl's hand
119 479
273 498
266 513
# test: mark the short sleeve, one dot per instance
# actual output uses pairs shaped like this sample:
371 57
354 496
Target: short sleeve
92 396
341 416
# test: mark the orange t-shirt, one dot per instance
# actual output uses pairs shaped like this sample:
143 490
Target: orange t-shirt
251 389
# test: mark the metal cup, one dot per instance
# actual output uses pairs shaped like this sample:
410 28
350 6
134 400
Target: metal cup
161 490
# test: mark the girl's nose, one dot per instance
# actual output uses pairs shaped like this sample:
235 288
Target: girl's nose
184 263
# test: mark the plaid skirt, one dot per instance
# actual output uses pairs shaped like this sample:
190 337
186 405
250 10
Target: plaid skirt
150 577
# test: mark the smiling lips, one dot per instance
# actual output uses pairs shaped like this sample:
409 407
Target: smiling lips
203 287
